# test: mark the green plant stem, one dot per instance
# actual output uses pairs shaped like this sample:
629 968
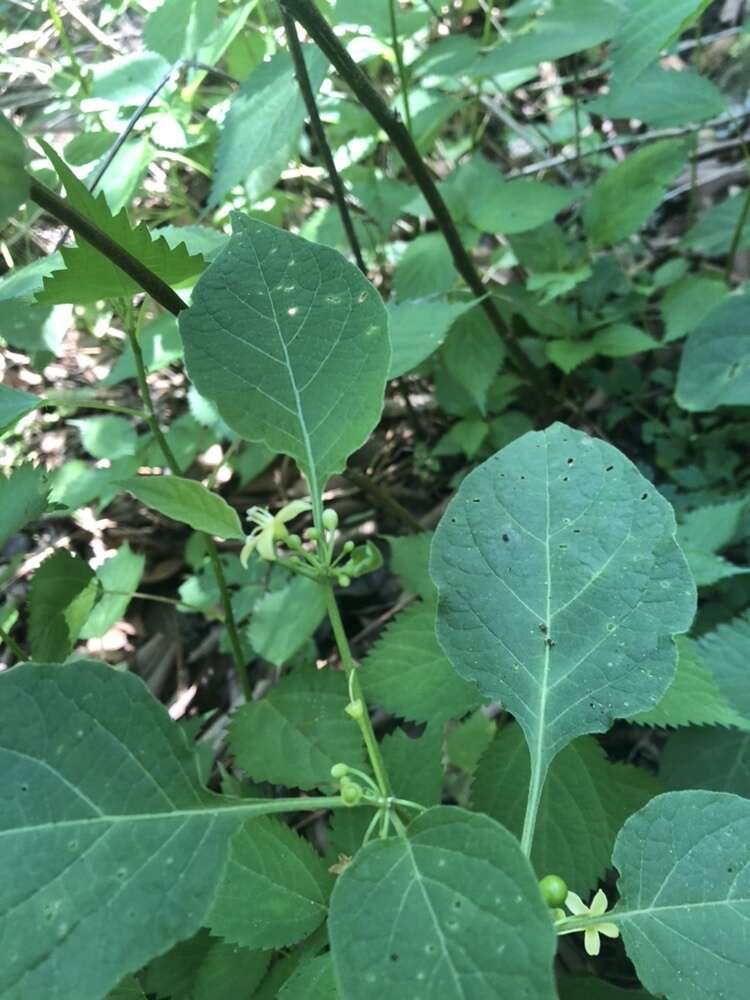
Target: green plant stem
316 127
536 785
572 924
52 403
399 57
317 27
352 674
12 645
229 621
64 212
736 236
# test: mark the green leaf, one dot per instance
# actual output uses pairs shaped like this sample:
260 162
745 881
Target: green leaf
297 733
118 577
562 28
713 233
14 181
203 968
703 532
415 764
178 28
187 501
35 329
465 436
663 99
410 558
376 17
269 107
107 436
560 586
425 268
23 498
107 833
584 803
714 759
473 354
715 364
313 980
61 597
418 328
685 894
623 198
275 888
290 342
160 345
693 698
468 740
519 205
128 989
408 674
726 653
689 301
647 27
451 910
14 404
283 620
589 988
89 276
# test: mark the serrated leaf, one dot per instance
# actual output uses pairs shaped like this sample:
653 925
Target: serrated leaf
283 620
560 586
713 233
715 363
410 559
297 733
622 199
418 328
275 888
584 803
14 404
107 436
107 833
560 29
663 99
118 577
473 353
705 530
14 181
425 269
269 106
415 764
187 501
204 968
290 342
685 894
313 980
519 205
451 910
688 302
646 28
128 989
23 498
176 29
88 275
726 653
693 698
407 673
61 597
715 759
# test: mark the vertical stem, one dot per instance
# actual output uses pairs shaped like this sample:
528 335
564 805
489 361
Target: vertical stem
316 127
577 114
536 784
399 56
12 645
365 724
736 235
174 468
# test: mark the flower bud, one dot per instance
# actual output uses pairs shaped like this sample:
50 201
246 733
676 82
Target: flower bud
338 771
348 547
355 709
351 793
330 519
293 542
343 580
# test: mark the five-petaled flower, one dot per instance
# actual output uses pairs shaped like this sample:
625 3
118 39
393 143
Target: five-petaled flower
269 529
597 909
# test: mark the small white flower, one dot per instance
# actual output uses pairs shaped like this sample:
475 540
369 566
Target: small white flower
269 529
597 909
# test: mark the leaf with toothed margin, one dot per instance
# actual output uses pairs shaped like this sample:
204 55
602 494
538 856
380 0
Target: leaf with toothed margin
560 587
290 342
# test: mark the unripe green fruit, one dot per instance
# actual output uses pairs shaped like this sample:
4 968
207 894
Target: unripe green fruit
351 793
338 771
553 889
343 580
348 546
293 542
330 519
312 533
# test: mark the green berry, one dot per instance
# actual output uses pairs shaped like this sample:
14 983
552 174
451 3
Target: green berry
553 889
330 519
348 547
343 580
351 793
293 542
312 533
338 771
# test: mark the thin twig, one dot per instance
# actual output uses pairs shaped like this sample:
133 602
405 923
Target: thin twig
399 57
316 127
12 645
319 30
